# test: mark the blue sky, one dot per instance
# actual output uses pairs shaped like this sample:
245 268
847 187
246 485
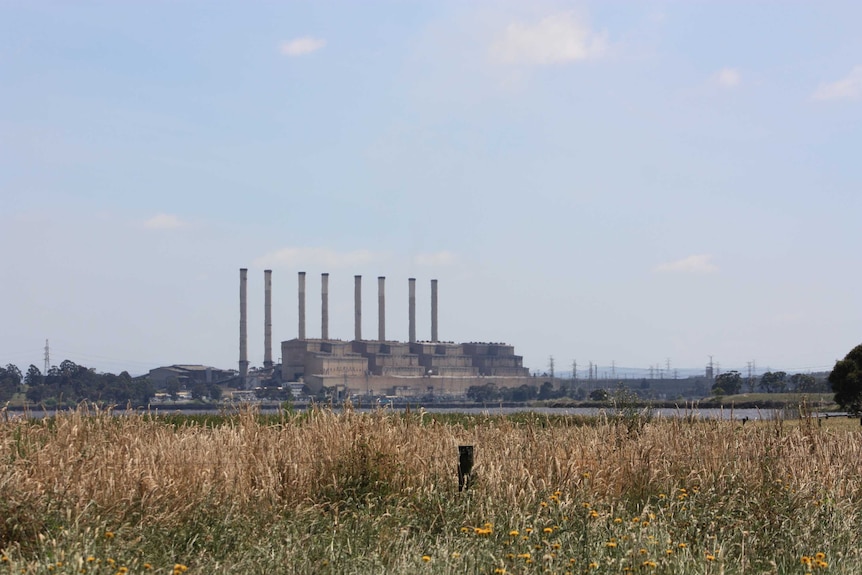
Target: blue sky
626 182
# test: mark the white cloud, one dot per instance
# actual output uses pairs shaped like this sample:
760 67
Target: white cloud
728 77
301 46
443 258
557 39
847 88
164 222
322 257
692 264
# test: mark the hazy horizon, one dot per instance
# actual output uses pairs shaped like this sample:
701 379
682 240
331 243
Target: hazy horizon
610 182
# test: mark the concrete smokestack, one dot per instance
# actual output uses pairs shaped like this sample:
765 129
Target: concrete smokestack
434 311
381 308
411 306
301 334
267 318
324 306
357 306
243 324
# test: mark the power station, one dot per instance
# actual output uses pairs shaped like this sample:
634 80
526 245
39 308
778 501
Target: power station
378 366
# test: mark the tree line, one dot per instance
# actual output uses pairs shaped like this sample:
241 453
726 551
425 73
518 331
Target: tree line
70 383
732 382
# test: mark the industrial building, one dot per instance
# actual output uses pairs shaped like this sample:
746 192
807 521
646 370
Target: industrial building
187 375
379 366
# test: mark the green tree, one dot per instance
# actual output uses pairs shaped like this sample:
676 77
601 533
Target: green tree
521 393
773 382
546 390
803 382
34 376
10 382
215 392
846 381
483 393
172 387
728 383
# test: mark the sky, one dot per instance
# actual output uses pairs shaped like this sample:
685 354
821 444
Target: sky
632 184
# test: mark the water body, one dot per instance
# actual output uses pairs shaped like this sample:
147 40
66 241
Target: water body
748 414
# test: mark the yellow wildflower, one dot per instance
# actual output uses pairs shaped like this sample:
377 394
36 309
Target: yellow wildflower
426 558
513 533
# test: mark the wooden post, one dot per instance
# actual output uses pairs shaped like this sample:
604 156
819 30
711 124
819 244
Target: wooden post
465 466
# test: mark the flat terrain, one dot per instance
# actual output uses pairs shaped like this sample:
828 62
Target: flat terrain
349 492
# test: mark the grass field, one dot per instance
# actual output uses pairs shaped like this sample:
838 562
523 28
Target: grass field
350 492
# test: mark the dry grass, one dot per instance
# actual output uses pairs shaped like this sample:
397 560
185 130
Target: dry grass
377 492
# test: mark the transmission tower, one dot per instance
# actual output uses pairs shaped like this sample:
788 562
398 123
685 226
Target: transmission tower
551 365
47 359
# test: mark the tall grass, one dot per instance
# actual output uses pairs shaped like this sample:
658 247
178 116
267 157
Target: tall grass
350 492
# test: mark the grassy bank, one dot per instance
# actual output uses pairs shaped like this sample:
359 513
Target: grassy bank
320 492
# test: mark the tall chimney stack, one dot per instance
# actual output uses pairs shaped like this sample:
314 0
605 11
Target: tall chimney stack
324 306
267 318
434 311
381 308
411 303
357 306
301 334
243 324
